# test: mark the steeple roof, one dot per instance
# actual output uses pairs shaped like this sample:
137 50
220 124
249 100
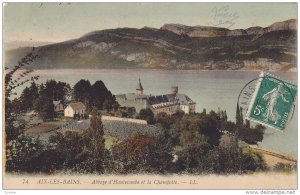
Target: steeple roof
139 86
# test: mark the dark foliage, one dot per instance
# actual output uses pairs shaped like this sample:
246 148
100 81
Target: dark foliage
142 154
96 95
146 114
11 83
82 92
49 92
28 97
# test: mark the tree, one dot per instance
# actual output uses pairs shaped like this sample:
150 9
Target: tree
28 97
164 119
251 135
82 92
12 131
56 90
194 157
44 107
49 92
16 105
142 154
209 126
69 148
108 105
22 154
62 92
238 115
204 111
228 126
102 98
83 152
146 114
96 95
95 143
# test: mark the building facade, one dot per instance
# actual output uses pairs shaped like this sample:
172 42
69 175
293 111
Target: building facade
168 103
75 108
58 106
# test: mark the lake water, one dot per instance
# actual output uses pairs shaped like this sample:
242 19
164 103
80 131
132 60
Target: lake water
209 89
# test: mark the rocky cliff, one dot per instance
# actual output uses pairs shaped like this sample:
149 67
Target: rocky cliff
204 31
173 46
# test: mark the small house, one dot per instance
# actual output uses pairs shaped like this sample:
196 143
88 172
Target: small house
75 108
58 106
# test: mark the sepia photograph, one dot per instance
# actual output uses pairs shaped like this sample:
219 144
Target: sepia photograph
158 95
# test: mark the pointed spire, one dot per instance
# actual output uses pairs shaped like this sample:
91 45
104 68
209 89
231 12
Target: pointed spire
237 114
139 86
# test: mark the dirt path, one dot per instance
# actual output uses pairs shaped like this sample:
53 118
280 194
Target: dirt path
273 158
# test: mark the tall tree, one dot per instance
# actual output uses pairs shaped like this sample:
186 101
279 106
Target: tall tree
96 95
44 107
209 126
34 90
62 91
82 90
49 92
28 97
239 115
95 142
100 95
57 90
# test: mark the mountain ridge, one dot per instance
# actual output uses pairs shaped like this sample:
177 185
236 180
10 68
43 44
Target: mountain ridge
210 31
173 46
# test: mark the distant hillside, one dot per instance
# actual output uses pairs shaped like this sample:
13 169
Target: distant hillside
173 46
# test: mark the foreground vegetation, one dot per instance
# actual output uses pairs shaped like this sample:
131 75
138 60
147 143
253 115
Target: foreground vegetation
190 144
201 143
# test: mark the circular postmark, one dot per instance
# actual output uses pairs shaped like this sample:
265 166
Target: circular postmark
267 100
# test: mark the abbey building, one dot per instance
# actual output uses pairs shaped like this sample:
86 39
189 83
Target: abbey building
169 103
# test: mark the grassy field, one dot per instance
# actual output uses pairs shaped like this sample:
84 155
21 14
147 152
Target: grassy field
44 127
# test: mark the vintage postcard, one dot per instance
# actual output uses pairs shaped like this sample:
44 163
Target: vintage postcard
150 96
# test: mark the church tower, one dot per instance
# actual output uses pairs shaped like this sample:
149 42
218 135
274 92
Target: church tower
139 89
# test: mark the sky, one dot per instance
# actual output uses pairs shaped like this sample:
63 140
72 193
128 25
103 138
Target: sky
54 22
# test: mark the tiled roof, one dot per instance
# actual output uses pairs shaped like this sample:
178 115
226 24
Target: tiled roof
168 98
131 96
159 99
77 106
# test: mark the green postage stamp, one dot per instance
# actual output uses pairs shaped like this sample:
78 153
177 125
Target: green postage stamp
272 102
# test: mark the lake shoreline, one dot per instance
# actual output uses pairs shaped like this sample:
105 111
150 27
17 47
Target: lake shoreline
209 89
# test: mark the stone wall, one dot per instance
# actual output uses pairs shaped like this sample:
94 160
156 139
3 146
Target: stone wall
129 120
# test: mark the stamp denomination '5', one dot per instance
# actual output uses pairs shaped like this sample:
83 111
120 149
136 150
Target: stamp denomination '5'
272 102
